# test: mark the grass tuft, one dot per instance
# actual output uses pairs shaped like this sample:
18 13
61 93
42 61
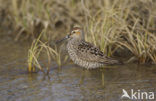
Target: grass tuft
112 25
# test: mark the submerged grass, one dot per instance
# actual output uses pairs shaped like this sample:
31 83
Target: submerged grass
33 55
37 48
115 26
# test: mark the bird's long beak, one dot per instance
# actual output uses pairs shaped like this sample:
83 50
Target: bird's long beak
66 37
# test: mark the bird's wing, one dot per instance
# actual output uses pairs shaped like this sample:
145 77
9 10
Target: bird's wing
89 52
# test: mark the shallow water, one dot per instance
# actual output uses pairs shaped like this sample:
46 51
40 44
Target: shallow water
70 83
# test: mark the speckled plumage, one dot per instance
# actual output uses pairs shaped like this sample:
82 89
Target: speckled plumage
85 54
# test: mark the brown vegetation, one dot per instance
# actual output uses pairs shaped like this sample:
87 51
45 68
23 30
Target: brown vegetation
114 25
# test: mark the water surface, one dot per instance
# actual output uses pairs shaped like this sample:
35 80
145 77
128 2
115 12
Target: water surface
70 83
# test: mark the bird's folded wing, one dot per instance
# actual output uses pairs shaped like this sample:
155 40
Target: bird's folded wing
89 52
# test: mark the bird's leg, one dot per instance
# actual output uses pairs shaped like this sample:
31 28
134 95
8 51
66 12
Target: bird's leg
102 76
82 76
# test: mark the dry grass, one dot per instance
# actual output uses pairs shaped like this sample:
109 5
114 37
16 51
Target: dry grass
33 55
109 24
53 54
124 24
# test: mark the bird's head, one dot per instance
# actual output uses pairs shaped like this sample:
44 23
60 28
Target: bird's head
76 33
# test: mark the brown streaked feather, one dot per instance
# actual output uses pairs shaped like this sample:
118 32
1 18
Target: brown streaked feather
89 52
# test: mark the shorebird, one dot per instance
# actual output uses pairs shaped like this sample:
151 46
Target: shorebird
84 53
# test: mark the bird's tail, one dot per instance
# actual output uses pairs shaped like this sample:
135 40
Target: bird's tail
112 61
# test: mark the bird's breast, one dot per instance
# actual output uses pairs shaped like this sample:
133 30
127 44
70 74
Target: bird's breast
71 51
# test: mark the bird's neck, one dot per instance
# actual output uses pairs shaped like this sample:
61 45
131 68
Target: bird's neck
75 41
